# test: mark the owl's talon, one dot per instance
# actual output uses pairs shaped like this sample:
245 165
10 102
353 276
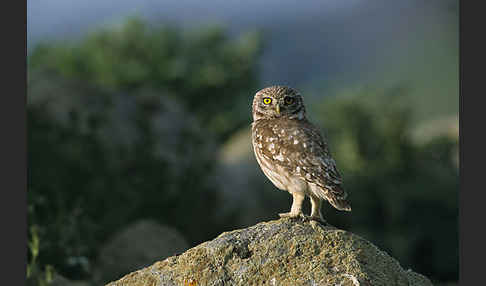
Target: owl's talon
292 215
318 219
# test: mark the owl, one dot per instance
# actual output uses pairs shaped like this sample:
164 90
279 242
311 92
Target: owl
292 153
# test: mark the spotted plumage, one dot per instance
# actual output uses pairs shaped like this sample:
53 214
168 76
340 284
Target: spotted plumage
292 153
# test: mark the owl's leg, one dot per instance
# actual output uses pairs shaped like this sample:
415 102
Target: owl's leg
316 214
296 209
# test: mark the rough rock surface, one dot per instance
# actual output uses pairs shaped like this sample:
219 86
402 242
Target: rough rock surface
280 252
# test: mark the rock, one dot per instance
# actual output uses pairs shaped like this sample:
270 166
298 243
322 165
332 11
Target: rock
280 252
447 126
137 246
59 280
38 277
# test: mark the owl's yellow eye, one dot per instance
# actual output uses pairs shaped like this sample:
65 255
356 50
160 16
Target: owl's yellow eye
289 100
267 100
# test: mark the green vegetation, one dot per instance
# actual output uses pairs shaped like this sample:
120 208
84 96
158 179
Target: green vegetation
123 126
204 70
35 275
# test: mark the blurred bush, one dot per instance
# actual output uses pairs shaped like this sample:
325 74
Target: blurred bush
123 125
404 194
204 70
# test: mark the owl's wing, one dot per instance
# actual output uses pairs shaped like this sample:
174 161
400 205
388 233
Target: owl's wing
300 149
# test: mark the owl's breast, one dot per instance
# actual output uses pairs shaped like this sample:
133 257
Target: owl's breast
274 156
282 141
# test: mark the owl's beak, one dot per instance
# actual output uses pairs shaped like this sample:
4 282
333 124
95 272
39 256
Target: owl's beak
277 109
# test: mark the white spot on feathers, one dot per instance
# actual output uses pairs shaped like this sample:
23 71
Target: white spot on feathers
279 157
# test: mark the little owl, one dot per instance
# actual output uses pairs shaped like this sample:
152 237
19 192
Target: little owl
292 153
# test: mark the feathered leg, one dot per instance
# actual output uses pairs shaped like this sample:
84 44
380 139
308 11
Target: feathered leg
296 209
316 214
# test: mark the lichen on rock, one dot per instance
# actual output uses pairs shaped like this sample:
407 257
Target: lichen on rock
280 252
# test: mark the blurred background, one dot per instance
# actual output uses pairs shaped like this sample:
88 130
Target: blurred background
139 126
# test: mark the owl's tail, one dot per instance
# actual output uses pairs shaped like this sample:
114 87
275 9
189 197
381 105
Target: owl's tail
336 196
340 204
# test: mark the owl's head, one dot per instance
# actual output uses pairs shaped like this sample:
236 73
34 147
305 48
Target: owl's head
278 102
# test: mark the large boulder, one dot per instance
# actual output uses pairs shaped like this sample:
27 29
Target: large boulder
280 252
59 280
138 245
